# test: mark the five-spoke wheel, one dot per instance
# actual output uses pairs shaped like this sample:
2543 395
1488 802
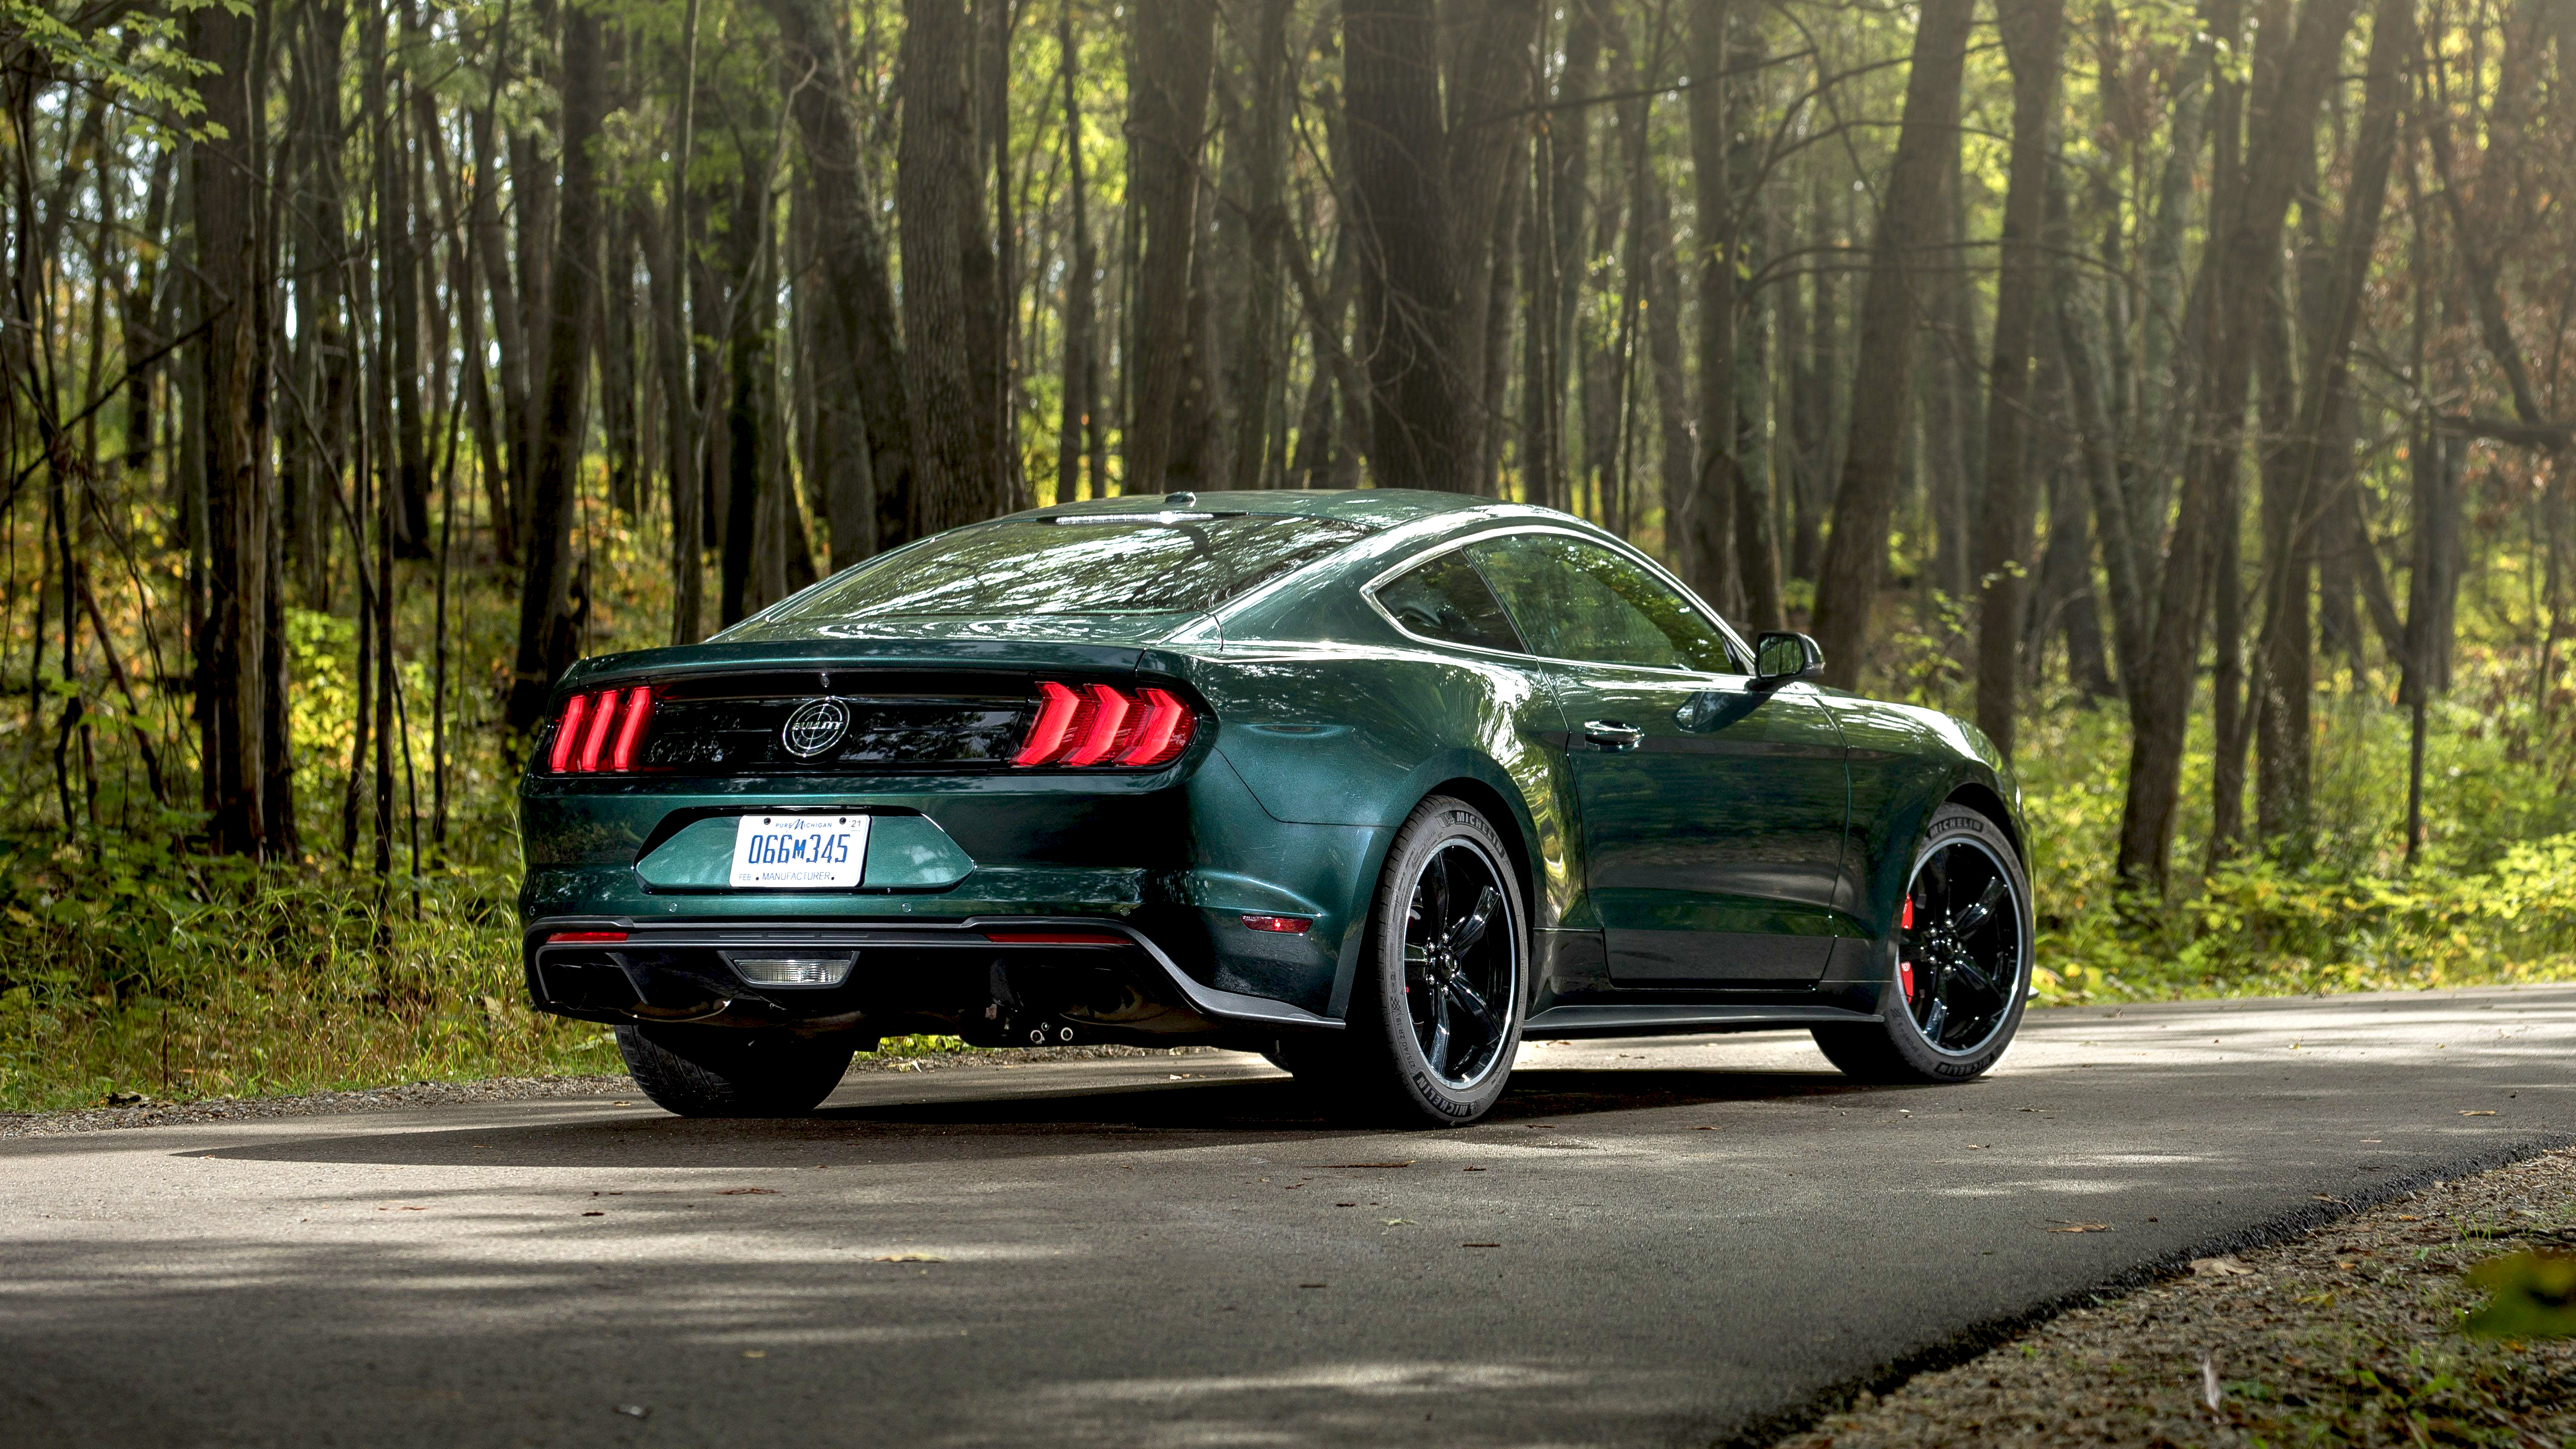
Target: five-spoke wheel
1459 963
1961 961
1959 945
1436 1010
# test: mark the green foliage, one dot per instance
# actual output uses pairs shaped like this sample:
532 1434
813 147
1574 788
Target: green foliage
2491 898
136 966
2534 1296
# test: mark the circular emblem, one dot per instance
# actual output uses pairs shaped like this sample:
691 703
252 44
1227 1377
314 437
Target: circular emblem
816 726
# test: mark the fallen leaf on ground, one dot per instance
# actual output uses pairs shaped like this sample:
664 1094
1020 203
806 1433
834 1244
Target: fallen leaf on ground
2080 1227
2477 1114
1337 1166
912 1258
1310 1285
594 1213
1480 1245
402 1210
747 1192
1397 1222
755 1353
2224 1267
635 1411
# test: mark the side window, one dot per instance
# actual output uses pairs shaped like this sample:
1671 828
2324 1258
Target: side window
1446 599
1578 600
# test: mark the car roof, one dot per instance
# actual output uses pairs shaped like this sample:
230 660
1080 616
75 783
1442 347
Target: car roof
1374 508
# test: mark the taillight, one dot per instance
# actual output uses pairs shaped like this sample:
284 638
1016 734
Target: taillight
601 732
1099 724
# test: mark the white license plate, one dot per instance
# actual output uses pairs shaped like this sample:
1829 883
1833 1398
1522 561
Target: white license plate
799 852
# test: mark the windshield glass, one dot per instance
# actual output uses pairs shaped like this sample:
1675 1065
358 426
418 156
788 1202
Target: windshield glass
1099 564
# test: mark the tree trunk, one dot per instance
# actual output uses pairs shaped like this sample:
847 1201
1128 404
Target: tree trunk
956 479
548 638
1708 522
1489 80
862 412
234 670
2249 205
1273 72
1421 432
1910 214
2031 44
1080 424
2285 734
1175 50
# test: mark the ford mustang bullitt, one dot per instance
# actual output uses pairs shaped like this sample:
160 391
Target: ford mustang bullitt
1379 783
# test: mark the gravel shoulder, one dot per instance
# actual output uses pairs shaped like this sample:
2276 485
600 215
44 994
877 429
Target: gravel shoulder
105 1118
2348 1333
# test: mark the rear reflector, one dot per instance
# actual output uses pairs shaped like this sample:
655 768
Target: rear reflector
1286 925
585 938
1100 724
602 731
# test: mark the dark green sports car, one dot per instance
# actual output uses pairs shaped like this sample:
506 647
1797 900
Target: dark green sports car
1378 783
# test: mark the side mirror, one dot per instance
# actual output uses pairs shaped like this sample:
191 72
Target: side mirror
1781 658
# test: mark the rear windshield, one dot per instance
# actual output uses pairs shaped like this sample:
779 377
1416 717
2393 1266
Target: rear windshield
1102 564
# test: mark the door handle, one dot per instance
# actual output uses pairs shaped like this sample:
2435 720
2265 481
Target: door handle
1612 735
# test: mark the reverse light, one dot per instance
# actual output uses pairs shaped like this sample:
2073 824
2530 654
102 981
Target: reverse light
792 970
1100 724
601 732
1285 925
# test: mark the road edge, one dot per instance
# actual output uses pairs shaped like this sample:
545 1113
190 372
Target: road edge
1991 1333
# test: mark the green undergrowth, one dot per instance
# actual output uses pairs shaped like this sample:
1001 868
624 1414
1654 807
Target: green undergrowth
137 968
2490 898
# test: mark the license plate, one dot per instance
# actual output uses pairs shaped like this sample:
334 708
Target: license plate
799 852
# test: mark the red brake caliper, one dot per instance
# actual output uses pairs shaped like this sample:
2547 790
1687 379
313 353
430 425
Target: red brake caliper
1905 968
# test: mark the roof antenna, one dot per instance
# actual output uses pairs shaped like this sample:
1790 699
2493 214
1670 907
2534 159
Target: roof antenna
1181 500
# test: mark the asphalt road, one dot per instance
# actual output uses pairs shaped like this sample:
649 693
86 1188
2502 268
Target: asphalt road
1660 1243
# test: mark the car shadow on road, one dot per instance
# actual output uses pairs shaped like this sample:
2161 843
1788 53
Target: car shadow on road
966 1129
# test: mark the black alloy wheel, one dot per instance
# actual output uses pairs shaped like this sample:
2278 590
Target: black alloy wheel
1960 957
1435 1013
1959 946
1459 964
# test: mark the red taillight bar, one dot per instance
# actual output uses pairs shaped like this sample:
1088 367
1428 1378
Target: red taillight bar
639 708
595 738
1163 735
567 733
585 938
601 731
1099 724
1110 712
1046 736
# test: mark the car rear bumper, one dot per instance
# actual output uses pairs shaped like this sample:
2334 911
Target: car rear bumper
992 979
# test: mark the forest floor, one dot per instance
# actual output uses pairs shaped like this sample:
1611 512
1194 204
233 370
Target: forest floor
2349 1333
